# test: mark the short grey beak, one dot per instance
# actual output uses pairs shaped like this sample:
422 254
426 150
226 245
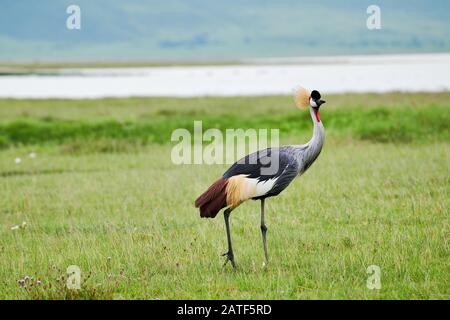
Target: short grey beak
320 102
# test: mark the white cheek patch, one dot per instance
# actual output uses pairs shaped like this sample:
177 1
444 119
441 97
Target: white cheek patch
312 103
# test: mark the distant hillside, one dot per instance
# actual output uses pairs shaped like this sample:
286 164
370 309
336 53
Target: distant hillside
226 30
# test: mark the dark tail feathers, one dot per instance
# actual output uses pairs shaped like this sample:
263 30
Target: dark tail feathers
213 199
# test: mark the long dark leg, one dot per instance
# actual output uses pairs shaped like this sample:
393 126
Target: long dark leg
229 254
264 230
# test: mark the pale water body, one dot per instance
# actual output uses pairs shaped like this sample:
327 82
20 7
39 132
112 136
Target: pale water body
383 73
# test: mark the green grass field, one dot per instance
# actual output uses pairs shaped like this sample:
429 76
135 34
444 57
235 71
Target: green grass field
103 194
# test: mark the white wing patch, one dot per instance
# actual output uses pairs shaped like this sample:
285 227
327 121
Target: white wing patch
261 187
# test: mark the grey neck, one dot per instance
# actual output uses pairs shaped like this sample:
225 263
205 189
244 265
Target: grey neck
308 153
316 142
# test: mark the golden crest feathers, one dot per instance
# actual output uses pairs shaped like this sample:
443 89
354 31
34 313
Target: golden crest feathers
301 97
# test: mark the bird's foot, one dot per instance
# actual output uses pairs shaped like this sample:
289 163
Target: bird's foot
230 258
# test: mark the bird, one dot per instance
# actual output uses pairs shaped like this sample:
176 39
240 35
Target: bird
250 177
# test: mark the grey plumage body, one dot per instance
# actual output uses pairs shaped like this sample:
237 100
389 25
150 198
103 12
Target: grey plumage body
290 161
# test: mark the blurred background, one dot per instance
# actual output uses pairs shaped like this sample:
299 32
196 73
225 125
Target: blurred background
239 48
198 30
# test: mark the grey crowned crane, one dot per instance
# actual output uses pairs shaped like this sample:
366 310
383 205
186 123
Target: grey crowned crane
248 179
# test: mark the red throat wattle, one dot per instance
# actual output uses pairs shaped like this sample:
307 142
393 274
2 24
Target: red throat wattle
316 112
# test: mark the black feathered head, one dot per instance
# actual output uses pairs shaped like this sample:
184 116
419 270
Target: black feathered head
305 98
